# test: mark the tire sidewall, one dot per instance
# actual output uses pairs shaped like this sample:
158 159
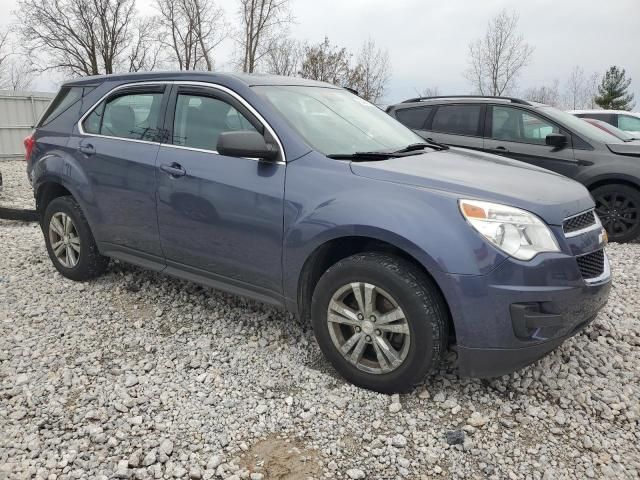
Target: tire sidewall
69 207
419 360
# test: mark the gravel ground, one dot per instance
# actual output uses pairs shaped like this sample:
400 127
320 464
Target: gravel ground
16 191
137 375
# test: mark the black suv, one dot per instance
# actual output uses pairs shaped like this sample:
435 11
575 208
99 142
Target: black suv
541 135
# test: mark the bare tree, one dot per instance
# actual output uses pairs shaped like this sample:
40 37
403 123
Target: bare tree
19 75
497 58
374 72
81 37
575 91
4 50
547 94
580 91
285 57
328 63
262 21
428 92
191 30
146 48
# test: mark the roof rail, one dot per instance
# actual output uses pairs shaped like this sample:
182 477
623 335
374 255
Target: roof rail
511 99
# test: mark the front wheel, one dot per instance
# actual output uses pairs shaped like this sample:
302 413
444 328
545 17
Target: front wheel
618 207
380 321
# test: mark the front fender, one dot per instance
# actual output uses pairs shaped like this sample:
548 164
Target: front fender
325 201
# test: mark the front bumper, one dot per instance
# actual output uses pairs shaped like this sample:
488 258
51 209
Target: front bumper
522 310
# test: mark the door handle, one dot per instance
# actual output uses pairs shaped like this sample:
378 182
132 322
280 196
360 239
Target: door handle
87 149
174 169
501 149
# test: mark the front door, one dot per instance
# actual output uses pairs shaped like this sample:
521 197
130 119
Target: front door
520 134
219 217
117 148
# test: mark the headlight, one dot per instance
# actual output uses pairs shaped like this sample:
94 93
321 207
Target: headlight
516 232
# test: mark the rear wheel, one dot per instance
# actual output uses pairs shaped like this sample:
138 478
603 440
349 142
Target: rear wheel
618 207
380 321
69 241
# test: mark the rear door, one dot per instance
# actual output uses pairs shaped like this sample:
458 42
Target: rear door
116 145
220 217
458 125
520 134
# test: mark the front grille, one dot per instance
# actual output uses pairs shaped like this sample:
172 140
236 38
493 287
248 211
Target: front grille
579 222
591 265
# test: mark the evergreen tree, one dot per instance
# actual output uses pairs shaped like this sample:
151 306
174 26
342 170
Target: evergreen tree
612 91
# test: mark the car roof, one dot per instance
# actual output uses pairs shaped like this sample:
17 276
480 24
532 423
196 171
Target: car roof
203 76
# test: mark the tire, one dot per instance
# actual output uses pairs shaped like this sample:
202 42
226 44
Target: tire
88 261
396 283
618 207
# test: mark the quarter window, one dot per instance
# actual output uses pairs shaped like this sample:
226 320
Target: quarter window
457 119
515 125
199 121
414 118
133 116
628 123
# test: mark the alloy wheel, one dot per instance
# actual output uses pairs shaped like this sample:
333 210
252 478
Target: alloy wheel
368 328
618 213
64 239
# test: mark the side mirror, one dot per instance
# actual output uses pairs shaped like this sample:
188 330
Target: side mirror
246 144
556 140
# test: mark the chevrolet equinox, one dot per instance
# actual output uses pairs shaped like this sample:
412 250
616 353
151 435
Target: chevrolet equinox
305 196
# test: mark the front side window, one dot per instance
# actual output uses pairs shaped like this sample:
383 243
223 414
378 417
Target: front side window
133 116
414 118
628 123
199 121
336 122
516 125
457 119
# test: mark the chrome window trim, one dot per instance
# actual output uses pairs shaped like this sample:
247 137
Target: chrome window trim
213 86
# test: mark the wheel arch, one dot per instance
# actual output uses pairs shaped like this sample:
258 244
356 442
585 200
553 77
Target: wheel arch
338 248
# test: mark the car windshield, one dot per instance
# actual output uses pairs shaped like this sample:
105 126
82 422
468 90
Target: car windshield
337 122
578 125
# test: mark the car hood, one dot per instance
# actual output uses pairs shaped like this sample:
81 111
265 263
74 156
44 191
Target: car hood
631 149
475 175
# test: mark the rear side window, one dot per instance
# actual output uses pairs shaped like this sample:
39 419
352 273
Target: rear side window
130 115
628 123
457 119
199 121
414 118
65 98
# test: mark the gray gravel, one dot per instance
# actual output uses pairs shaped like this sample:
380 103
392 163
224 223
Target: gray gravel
137 375
16 191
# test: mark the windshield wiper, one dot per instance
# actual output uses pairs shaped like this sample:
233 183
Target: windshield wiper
367 156
422 145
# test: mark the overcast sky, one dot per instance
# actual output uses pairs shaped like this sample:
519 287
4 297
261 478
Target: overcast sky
428 40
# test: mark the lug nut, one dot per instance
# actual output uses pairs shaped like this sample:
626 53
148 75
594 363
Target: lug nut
358 329
378 332
360 316
368 338
372 318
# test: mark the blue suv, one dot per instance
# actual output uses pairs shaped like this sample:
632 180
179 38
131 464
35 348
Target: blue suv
302 195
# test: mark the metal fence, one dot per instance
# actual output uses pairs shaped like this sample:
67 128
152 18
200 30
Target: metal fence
19 112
